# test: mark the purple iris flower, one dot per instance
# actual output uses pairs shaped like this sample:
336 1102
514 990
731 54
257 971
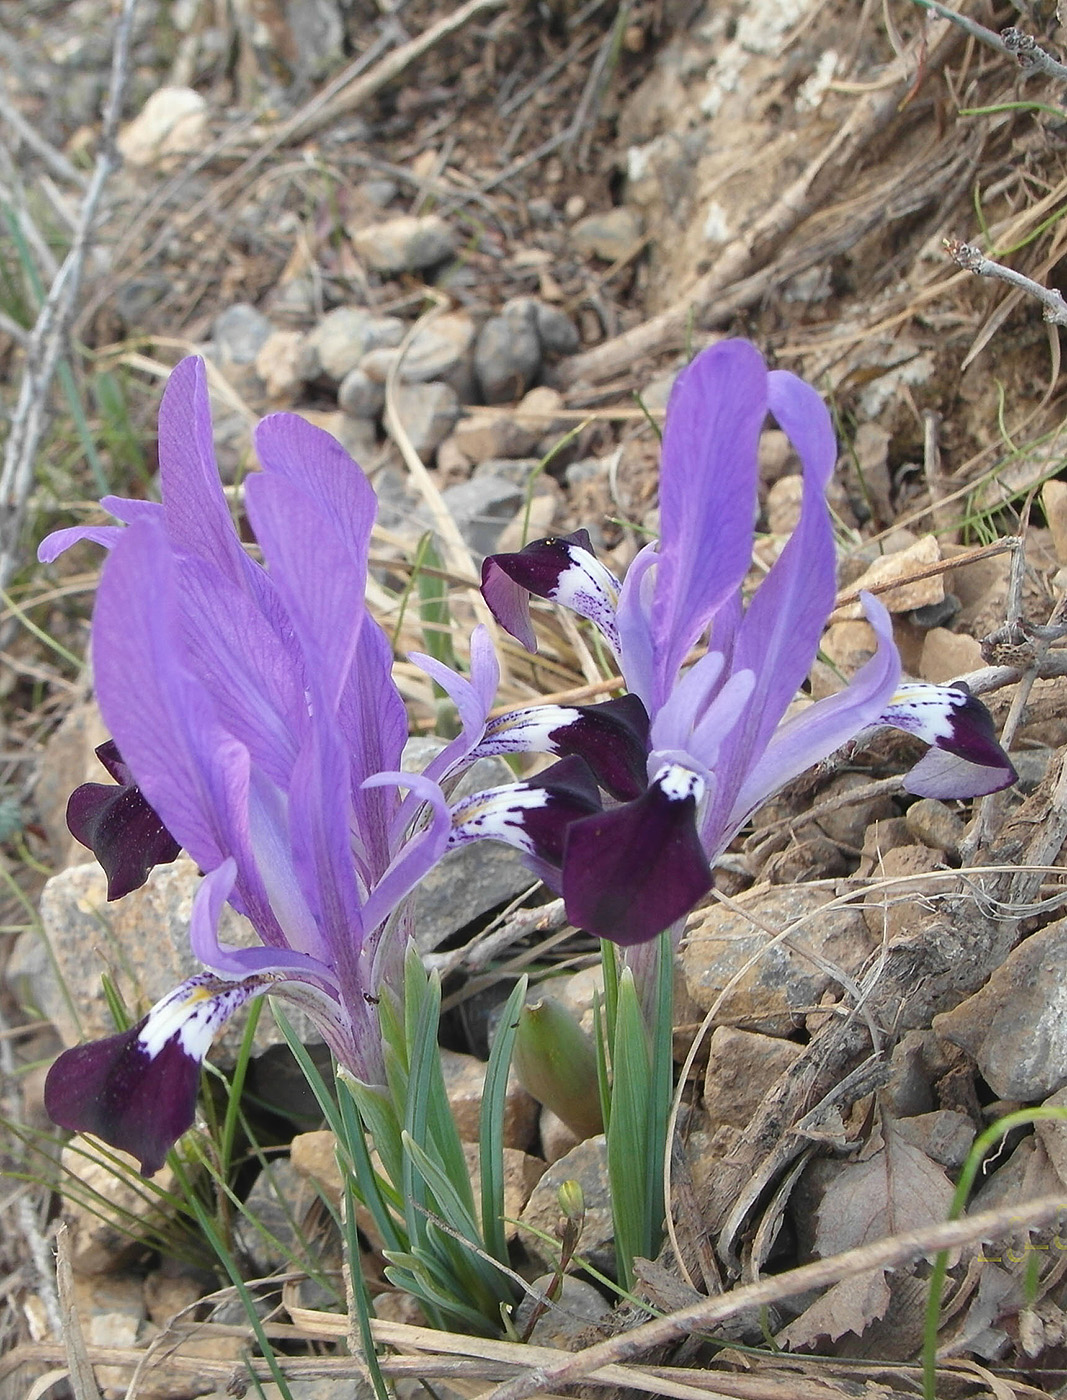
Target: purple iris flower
717 746
259 728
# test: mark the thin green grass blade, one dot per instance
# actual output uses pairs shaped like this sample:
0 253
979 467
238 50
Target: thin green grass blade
358 1296
236 1085
491 1124
379 1118
979 1149
309 1069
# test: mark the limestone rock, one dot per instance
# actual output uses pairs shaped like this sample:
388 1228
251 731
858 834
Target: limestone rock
141 940
69 759
946 655
742 1068
277 364
935 825
404 244
588 1165
610 235
1015 1028
578 1307
911 592
173 123
783 505
481 507
428 413
902 909
342 338
118 1211
507 356
782 986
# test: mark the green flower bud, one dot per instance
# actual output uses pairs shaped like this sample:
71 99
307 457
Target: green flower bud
556 1062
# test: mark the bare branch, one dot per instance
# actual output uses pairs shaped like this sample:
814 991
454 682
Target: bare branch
974 260
49 332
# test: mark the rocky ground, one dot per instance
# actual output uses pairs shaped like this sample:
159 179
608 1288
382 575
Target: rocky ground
477 243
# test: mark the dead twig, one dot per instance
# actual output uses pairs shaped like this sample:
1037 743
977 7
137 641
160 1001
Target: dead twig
972 259
890 1253
49 332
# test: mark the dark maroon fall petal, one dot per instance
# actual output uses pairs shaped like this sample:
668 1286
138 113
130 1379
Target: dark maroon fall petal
509 579
122 831
116 1090
613 739
631 872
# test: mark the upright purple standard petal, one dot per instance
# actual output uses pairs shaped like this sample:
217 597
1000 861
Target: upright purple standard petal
707 496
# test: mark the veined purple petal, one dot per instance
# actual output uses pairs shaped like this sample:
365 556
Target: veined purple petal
417 855
633 618
561 568
137 1090
315 461
314 571
374 729
55 544
211 894
965 759
707 496
122 831
533 816
612 737
472 698
194 504
630 872
190 770
816 732
779 635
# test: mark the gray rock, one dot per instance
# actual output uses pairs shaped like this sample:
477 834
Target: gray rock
428 413
404 244
1015 1028
944 1135
541 211
481 507
774 994
359 395
474 879
142 941
507 357
239 333
935 825
588 1165
610 235
440 350
578 1307
380 192
342 338
559 334
517 470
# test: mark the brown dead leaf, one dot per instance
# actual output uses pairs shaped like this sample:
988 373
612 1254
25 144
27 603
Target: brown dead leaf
850 1306
896 1188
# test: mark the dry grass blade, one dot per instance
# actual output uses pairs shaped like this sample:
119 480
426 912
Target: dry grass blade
704 1316
49 333
82 1380
390 68
742 257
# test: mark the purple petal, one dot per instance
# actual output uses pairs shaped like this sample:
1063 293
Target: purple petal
374 729
53 545
313 460
630 872
416 856
532 816
561 568
122 831
779 635
965 759
315 572
190 770
137 1090
707 496
472 698
194 504
816 732
633 618
612 738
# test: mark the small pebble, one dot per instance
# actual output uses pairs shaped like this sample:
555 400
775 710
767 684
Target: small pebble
935 825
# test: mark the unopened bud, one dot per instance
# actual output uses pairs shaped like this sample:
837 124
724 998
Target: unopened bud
556 1063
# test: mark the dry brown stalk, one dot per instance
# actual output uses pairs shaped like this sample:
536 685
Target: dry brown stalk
890 1253
754 248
